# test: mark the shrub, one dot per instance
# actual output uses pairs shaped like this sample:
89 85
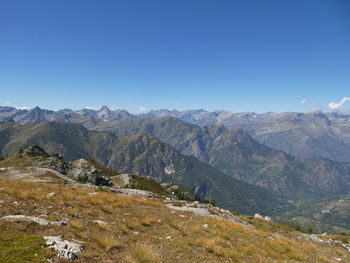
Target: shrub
212 201
309 230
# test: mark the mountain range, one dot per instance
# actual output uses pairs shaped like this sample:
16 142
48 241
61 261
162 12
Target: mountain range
237 154
215 154
304 135
141 154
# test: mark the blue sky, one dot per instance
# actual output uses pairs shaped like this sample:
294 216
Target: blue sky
185 54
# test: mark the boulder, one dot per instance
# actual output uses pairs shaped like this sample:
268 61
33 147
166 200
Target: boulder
66 249
267 218
258 216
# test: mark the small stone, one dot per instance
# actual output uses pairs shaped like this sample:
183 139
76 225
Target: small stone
258 216
168 237
267 218
100 222
205 226
51 194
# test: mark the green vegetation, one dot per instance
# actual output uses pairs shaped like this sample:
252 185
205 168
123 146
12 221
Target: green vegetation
212 201
309 230
236 212
16 247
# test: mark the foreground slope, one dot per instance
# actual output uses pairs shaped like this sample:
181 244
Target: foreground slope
141 154
112 227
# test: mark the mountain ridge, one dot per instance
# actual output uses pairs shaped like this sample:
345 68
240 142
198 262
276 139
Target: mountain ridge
141 154
305 135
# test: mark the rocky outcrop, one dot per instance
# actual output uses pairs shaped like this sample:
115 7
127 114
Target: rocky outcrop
66 249
34 219
86 173
35 150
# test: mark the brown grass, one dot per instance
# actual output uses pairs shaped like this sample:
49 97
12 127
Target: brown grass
135 221
108 242
144 253
148 221
106 209
76 224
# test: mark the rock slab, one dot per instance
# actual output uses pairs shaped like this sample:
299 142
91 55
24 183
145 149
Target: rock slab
66 249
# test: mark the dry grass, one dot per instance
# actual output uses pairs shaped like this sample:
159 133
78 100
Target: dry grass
148 221
108 242
76 224
106 209
144 253
135 233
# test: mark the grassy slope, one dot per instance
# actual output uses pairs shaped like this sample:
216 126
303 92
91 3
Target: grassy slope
138 229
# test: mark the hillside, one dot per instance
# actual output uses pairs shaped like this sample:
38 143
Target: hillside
42 213
305 135
141 154
234 152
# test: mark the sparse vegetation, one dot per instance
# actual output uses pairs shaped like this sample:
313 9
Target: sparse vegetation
18 247
309 230
144 253
212 201
134 229
107 242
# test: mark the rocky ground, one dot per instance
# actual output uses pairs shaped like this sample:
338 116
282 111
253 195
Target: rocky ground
45 217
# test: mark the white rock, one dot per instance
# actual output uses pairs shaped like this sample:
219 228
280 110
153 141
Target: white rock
51 194
168 237
65 249
258 216
205 226
100 222
34 219
267 218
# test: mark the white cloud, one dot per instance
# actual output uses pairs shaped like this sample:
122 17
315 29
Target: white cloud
178 104
7 103
22 108
314 109
143 109
303 101
334 106
91 108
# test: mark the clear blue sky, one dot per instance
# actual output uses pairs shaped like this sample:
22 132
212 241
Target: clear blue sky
236 55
